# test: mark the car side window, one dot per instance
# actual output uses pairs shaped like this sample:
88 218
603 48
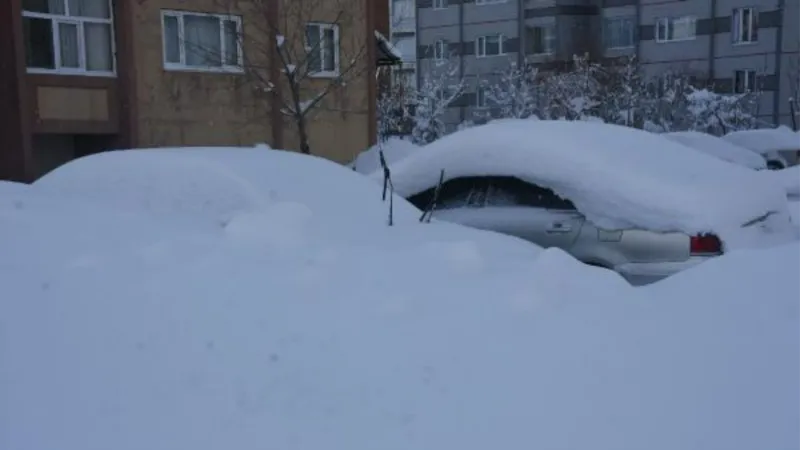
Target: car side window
462 193
501 193
540 197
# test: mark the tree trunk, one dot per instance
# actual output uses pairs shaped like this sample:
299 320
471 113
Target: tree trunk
302 133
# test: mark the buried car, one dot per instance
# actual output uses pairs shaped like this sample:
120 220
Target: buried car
614 197
779 146
718 148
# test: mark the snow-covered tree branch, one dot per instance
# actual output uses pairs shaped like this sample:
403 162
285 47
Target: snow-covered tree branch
514 94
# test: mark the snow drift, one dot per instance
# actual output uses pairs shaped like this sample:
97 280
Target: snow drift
216 183
718 148
429 340
394 150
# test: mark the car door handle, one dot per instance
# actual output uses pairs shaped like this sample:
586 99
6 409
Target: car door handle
559 227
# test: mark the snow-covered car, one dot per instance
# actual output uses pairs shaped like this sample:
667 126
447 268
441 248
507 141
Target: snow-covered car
779 146
615 197
719 148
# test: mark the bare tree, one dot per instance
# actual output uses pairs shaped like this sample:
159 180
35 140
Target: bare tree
299 52
623 91
574 93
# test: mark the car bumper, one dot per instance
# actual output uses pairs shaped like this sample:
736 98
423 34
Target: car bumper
645 273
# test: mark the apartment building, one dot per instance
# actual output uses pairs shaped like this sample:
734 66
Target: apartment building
403 27
84 76
738 45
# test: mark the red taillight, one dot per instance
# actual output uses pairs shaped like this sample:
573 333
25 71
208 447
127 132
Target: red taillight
705 244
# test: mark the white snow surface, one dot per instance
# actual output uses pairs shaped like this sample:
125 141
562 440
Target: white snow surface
394 149
765 140
120 331
788 178
618 177
213 184
718 148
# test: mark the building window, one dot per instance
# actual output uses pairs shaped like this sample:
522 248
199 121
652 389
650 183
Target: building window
322 49
489 45
541 40
620 32
744 81
440 50
73 37
670 29
482 97
440 4
489 2
745 25
204 42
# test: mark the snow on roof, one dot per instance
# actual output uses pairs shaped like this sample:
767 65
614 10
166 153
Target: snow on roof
388 46
765 140
394 149
618 177
718 148
217 182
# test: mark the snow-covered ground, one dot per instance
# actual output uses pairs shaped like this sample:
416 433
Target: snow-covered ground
394 149
123 327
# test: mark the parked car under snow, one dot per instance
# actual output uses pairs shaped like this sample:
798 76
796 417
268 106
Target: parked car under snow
614 197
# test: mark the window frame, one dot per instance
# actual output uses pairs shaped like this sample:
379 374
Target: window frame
501 45
737 27
750 80
182 66
440 4
608 21
548 39
336 50
441 50
481 100
79 21
671 21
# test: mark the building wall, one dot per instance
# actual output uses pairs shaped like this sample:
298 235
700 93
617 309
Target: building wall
579 29
200 108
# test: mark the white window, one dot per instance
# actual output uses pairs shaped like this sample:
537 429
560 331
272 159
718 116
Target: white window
488 2
440 4
670 29
322 48
203 42
745 25
620 32
440 50
541 40
489 45
74 37
744 81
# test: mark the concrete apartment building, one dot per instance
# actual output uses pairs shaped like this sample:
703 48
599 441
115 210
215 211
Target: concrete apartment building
403 26
736 44
83 76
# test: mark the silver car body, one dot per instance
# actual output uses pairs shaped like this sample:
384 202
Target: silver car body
638 255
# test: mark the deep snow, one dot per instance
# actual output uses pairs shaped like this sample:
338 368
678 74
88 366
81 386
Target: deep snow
765 140
718 148
130 330
394 149
618 177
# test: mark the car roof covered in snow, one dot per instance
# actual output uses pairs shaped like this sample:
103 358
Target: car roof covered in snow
719 148
618 177
216 183
765 140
